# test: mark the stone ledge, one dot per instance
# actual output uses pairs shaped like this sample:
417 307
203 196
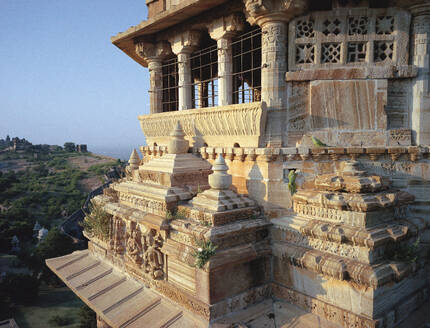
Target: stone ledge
413 153
341 268
353 73
346 318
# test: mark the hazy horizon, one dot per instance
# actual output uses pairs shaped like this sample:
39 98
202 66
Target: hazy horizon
63 80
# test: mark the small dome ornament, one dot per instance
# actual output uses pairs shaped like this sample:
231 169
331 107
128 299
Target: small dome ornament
177 143
134 160
220 179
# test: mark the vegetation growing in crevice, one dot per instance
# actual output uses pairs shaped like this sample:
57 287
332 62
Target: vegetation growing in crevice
178 214
205 250
404 252
97 222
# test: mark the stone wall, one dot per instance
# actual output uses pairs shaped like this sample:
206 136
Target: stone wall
262 172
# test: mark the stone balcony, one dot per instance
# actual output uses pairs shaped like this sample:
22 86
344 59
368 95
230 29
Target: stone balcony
241 124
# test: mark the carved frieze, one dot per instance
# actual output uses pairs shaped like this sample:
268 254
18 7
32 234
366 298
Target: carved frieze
243 120
147 205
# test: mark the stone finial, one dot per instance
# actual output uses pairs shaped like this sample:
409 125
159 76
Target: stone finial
177 144
220 179
134 160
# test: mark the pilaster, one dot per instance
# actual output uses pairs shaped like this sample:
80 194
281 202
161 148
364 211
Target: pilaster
183 45
420 50
154 54
273 16
223 30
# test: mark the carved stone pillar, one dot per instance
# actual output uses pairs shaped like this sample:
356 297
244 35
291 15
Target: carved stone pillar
274 63
273 17
420 45
154 55
183 45
223 30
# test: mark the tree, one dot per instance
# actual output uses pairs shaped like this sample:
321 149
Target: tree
54 245
69 147
88 318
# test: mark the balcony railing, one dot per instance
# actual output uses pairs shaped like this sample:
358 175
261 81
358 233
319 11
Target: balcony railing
241 124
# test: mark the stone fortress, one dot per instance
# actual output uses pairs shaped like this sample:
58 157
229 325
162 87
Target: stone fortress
288 150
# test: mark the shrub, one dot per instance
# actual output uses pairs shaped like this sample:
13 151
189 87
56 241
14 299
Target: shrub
97 222
204 252
88 318
57 320
20 288
405 252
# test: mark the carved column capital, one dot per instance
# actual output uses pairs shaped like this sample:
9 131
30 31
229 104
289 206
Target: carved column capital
185 42
260 11
153 51
420 9
226 27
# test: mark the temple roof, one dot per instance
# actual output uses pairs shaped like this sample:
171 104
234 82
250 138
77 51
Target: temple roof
120 300
176 14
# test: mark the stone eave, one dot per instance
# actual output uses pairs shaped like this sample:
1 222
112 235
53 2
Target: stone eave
175 15
118 299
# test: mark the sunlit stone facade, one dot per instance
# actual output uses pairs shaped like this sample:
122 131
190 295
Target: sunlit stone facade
293 136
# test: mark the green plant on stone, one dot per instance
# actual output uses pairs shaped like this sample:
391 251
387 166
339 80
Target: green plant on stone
97 222
205 250
405 252
205 223
179 214
57 320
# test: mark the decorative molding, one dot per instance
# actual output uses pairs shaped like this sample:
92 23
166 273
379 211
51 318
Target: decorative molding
261 11
153 51
243 120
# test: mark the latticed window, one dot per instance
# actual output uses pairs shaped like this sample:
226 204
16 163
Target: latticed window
204 75
170 85
246 50
352 36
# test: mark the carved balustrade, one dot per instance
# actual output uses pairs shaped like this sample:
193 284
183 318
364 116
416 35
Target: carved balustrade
243 124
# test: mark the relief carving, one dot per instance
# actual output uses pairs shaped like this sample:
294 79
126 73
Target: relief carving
153 257
134 246
117 236
232 120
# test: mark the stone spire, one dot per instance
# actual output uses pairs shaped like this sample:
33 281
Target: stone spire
134 160
178 144
219 205
220 179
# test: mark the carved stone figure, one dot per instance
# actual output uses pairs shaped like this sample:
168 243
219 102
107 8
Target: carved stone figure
117 238
134 247
153 258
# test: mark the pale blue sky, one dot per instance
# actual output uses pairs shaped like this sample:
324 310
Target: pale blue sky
61 79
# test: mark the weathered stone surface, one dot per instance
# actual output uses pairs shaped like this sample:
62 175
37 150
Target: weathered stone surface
348 105
242 124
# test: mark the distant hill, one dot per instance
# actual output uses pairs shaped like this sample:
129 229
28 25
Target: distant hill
44 183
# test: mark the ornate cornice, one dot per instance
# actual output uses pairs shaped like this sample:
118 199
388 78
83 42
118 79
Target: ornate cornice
185 42
153 51
420 9
226 26
261 11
